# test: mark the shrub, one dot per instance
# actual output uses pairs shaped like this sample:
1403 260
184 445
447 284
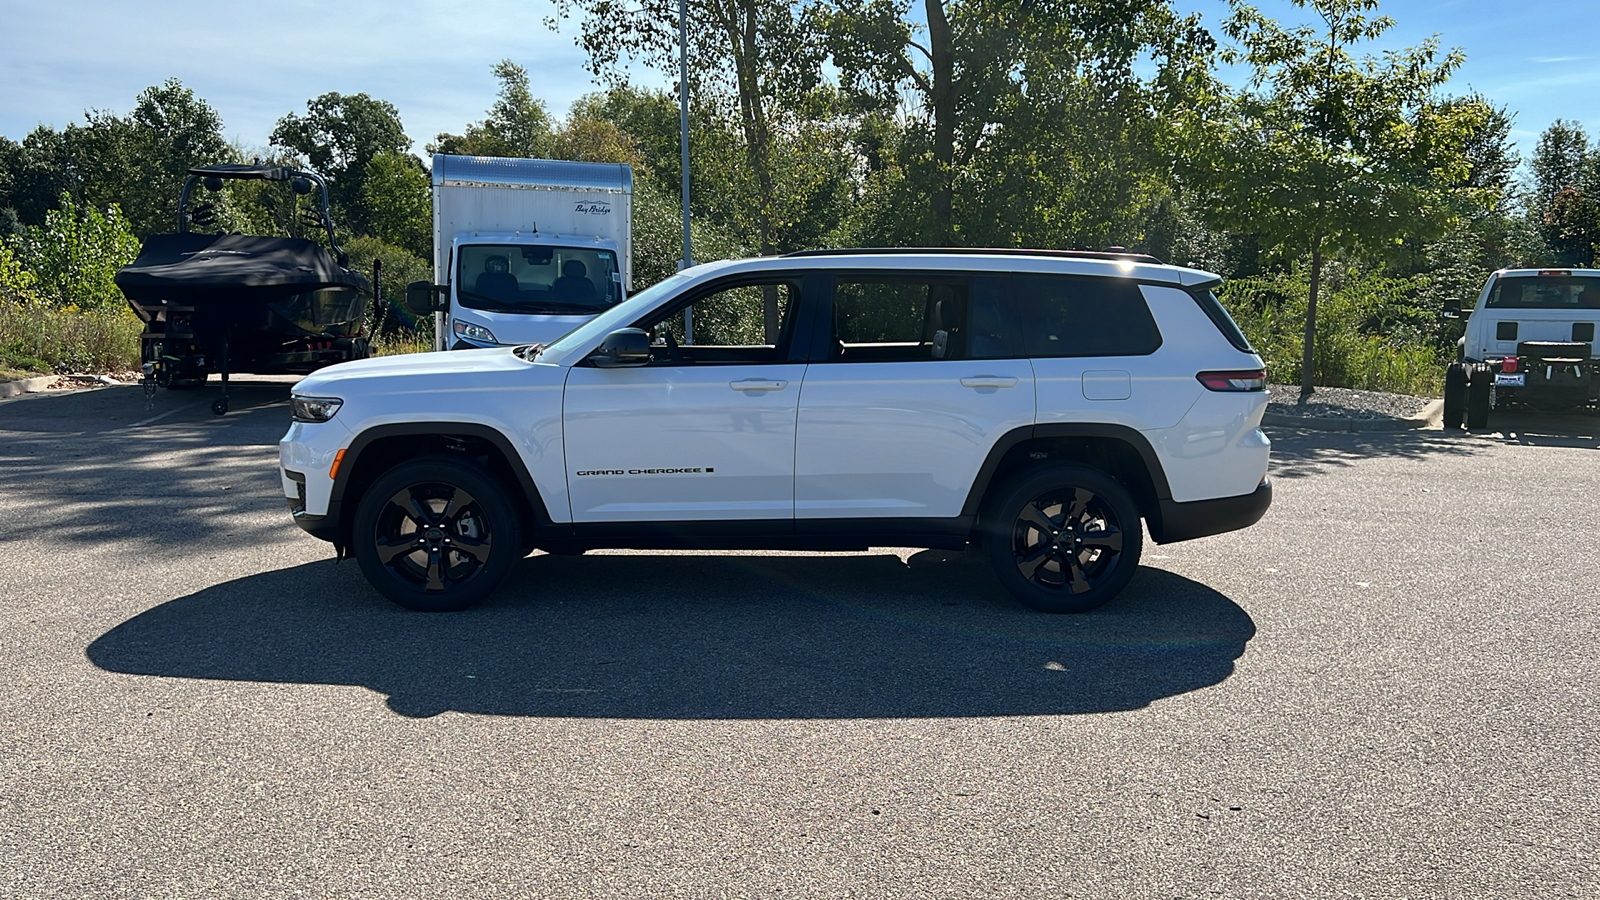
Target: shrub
1372 332
69 340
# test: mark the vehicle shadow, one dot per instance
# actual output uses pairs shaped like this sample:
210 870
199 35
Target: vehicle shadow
1533 429
702 636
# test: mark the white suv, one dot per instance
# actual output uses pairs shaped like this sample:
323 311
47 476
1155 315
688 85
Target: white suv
1038 403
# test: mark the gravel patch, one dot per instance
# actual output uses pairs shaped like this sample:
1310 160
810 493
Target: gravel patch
1342 403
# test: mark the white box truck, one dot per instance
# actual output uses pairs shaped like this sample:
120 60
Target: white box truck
524 250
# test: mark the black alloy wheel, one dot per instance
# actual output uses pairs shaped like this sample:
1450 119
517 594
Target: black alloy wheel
1064 538
436 535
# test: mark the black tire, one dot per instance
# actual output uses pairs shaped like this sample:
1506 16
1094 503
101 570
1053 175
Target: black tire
1455 395
1478 397
1063 538
436 534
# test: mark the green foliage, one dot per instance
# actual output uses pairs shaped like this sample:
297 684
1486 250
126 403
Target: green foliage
340 134
390 318
16 282
40 338
398 196
75 255
1327 154
517 124
1377 332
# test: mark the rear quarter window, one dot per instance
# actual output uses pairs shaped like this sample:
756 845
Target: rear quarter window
1063 315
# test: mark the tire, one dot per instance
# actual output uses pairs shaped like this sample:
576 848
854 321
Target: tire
1063 538
1455 395
462 533
1478 397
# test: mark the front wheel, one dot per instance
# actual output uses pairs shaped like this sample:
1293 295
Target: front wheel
436 534
1063 538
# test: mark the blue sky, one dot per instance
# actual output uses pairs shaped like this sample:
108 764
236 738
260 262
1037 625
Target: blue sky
255 62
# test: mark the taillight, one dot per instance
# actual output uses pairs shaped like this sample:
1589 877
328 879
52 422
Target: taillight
1247 380
1509 364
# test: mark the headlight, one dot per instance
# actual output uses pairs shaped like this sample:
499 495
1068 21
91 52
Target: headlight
475 332
314 409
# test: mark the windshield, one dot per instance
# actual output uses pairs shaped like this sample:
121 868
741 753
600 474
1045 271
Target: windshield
1546 292
511 278
616 317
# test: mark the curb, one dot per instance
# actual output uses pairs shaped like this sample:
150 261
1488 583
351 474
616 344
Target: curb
42 383
1430 415
25 386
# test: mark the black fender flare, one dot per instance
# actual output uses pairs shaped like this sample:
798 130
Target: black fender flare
352 457
1009 440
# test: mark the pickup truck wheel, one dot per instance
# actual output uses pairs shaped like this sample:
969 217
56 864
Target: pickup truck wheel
435 534
1063 538
1455 395
1478 397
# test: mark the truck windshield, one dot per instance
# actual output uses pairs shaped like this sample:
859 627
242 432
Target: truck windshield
511 278
1546 292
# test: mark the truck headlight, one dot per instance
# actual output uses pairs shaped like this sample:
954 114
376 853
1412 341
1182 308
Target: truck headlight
475 332
314 409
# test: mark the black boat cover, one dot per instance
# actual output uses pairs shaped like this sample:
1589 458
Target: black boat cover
188 266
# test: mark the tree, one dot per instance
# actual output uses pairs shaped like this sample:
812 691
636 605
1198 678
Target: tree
1324 153
339 135
517 124
398 197
764 58
140 161
76 253
1028 122
1565 201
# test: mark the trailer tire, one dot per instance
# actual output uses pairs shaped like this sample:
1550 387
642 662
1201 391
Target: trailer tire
1478 397
1455 395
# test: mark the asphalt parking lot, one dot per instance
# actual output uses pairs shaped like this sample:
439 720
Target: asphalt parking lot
1385 689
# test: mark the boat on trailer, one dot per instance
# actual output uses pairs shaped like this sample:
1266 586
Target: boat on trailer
247 303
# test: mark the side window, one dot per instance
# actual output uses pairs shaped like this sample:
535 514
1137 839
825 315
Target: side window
884 318
1062 315
743 324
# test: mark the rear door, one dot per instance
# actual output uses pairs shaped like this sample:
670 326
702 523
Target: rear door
916 386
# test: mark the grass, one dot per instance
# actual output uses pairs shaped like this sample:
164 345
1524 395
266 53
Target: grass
401 342
39 340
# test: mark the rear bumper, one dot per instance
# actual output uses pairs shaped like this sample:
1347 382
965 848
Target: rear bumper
1201 518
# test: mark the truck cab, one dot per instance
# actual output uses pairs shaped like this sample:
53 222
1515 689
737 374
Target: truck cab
510 288
525 250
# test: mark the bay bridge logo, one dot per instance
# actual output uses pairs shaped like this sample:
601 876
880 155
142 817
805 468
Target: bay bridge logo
591 208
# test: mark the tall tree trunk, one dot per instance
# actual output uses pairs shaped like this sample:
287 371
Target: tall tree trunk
743 31
941 51
1308 357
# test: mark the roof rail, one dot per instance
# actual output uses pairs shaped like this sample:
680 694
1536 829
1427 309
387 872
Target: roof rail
987 251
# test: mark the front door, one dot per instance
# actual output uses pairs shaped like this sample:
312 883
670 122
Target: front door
706 431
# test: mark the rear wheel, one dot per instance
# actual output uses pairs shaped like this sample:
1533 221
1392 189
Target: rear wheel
436 534
1455 395
1478 397
1063 538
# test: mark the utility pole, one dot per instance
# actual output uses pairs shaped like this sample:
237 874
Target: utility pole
683 139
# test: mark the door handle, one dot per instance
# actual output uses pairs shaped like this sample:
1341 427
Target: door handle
988 381
758 384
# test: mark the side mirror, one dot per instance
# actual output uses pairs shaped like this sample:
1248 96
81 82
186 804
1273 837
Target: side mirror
422 298
1452 308
621 348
